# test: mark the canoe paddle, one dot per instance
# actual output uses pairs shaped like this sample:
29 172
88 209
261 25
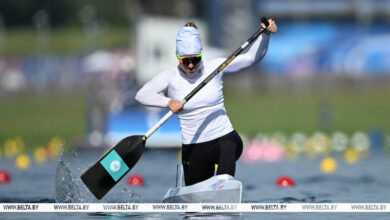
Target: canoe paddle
120 159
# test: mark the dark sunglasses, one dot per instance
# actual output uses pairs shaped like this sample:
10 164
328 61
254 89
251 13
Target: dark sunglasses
187 60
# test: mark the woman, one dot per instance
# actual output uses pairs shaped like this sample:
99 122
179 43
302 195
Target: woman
208 136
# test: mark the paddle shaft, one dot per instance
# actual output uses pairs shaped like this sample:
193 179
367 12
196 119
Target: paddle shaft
209 78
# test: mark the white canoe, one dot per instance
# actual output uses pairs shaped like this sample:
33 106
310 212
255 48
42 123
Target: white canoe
218 189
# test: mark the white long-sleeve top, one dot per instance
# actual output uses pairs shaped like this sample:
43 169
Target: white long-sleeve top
204 116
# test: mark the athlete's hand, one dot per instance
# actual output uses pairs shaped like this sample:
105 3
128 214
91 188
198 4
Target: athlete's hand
272 27
175 105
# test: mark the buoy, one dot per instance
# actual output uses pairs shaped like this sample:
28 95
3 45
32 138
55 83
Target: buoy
136 180
19 144
253 153
351 156
263 151
360 142
4 177
292 151
328 165
339 141
285 181
10 148
274 151
40 154
55 147
22 162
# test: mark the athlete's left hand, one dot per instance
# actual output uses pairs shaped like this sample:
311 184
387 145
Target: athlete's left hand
272 27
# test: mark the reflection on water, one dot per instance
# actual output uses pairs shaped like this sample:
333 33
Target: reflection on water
222 216
339 179
171 216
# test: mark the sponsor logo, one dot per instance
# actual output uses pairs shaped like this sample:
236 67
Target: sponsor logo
219 185
114 165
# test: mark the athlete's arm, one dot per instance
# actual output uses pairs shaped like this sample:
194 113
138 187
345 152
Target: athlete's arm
152 93
255 53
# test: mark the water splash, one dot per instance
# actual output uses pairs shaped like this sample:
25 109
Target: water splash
70 188
130 196
65 187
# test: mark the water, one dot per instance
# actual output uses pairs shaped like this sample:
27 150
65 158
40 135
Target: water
58 181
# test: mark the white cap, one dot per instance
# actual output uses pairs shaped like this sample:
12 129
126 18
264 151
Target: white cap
188 41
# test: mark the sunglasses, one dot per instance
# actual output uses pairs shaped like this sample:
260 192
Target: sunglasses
187 60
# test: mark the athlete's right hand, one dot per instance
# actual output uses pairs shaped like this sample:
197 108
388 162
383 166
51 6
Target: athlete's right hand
272 27
175 105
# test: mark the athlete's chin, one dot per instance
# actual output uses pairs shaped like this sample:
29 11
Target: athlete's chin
191 71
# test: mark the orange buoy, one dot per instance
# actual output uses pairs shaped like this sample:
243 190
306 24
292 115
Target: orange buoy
4 177
136 180
285 181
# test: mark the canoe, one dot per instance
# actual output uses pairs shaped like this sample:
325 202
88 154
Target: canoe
217 189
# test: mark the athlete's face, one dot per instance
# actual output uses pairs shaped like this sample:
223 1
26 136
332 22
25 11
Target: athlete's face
190 63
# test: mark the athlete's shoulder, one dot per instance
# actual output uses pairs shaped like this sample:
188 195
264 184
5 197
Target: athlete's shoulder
170 72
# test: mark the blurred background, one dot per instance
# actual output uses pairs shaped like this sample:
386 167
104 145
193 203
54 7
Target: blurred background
69 71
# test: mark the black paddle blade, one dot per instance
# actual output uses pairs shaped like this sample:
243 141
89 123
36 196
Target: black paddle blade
114 165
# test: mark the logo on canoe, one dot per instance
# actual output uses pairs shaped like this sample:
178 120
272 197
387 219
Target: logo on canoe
219 185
